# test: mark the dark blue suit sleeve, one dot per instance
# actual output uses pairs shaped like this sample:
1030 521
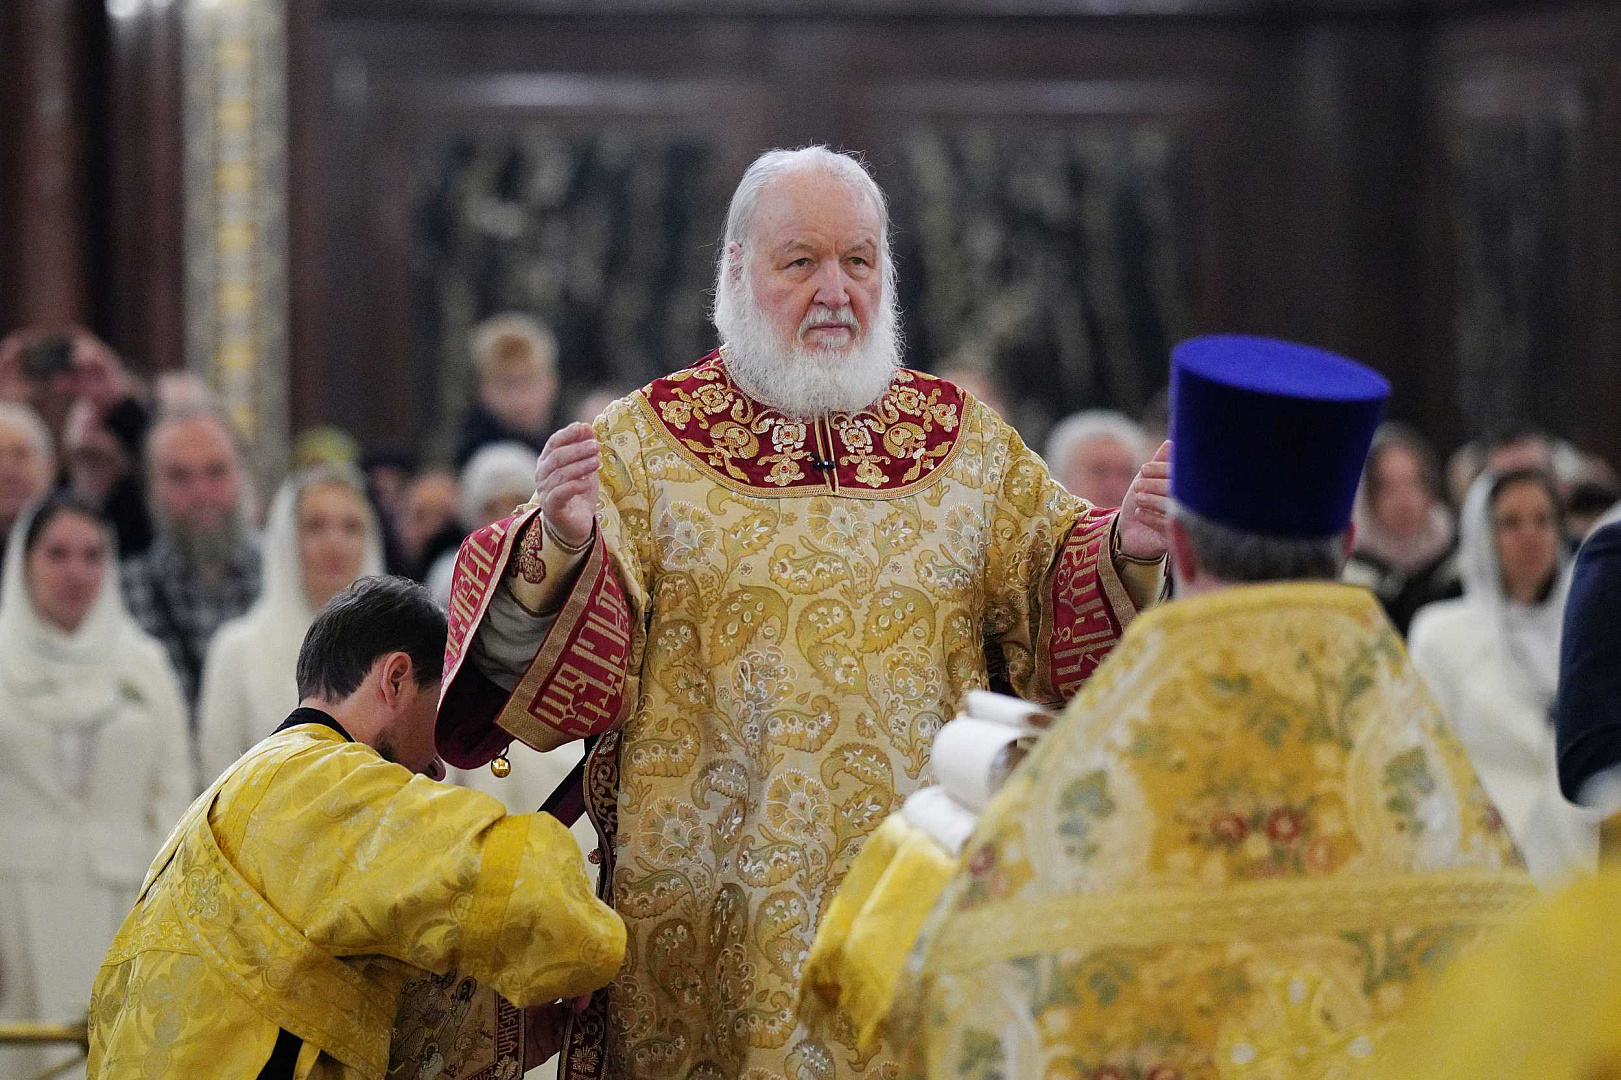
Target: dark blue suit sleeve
1588 712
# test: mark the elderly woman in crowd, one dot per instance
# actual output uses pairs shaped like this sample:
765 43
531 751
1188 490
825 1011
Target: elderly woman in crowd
1405 540
93 763
27 461
1492 660
1096 455
321 536
499 478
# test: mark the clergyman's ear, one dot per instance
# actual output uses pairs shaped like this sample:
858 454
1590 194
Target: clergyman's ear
734 261
396 676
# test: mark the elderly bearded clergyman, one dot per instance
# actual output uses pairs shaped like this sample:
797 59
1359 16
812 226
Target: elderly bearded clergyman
761 584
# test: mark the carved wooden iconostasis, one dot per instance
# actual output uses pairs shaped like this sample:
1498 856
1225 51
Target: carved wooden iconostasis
1050 200
1429 185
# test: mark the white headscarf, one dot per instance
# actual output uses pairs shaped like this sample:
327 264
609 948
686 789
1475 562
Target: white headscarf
281 616
1530 632
73 683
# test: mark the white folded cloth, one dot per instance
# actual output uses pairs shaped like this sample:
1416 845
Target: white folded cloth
972 758
1001 709
948 822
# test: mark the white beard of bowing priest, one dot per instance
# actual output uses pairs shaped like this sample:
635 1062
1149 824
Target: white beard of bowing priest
759 585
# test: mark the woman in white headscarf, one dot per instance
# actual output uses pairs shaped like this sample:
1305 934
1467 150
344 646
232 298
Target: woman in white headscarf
321 536
94 764
1492 660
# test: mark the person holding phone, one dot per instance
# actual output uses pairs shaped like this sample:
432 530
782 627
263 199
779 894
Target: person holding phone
96 416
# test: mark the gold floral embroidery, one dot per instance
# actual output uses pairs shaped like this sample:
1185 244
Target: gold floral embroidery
1313 1023
797 648
1249 842
889 448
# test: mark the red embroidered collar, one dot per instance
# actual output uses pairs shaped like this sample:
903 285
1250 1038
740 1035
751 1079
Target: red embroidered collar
890 449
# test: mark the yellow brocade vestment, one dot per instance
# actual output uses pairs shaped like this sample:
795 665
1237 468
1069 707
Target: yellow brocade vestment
777 617
1540 1001
1244 848
305 886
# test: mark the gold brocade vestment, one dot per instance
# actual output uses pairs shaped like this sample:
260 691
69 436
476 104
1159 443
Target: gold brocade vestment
303 888
775 620
1541 1000
1239 855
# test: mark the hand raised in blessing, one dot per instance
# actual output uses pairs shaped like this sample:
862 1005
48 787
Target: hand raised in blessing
566 483
1145 516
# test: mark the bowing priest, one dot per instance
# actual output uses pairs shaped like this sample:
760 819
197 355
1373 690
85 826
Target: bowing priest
326 867
760 585
1249 842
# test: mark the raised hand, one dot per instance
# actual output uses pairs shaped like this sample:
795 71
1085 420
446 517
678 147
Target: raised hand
1145 516
99 373
566 483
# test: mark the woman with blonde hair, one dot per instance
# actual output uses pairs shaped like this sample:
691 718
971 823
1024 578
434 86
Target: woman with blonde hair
321 536
94 763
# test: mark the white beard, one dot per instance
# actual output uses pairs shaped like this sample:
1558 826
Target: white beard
805 381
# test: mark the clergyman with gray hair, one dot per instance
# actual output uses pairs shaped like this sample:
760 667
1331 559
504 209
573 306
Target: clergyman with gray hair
1230 827
760 584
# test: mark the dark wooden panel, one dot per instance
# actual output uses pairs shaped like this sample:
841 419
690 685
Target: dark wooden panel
53 44
1524 240
1053 233
1336 264
1315 149
144 187
10 167
1099 10
310 113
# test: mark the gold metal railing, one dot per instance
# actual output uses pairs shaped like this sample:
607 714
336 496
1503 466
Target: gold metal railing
36 1033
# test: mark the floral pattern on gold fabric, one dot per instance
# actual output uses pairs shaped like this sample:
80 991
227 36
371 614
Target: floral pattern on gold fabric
1250 841
885 450
307 886
795 653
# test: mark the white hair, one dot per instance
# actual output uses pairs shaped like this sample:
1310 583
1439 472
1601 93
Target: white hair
499 467
1075 431
774 163
801 380
18 415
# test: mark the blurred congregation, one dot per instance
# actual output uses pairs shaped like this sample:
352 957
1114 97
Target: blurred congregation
258 344
226 578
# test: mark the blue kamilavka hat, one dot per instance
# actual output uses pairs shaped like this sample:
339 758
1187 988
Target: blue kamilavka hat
1269 436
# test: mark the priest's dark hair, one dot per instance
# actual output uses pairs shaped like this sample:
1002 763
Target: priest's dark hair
365 622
